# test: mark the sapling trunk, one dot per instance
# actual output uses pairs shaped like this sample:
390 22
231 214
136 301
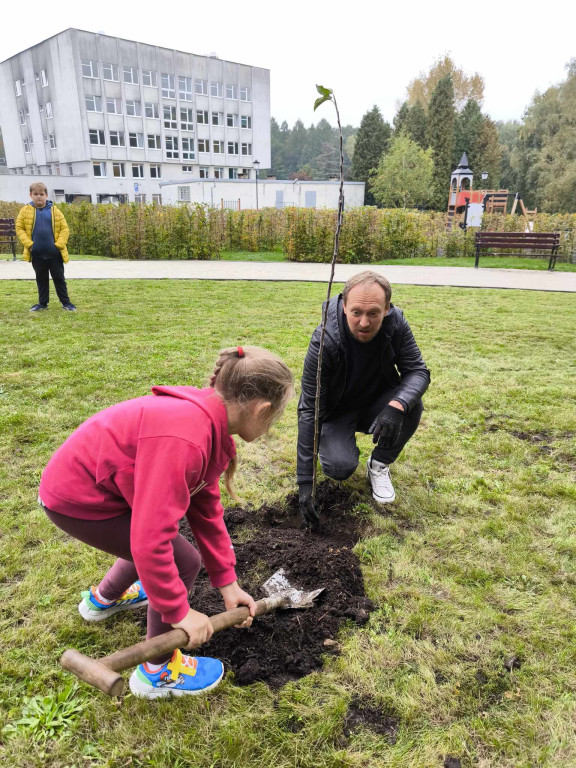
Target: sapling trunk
327 95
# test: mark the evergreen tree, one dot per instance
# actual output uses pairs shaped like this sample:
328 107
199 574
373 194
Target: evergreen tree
440 135
467 127
489 153
400 118
415 125
371 141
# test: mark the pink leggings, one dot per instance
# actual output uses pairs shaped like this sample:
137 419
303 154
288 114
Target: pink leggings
113 536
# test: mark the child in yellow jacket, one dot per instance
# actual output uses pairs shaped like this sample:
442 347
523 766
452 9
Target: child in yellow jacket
43 231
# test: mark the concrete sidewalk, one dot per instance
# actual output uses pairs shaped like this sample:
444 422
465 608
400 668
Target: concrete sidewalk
523 279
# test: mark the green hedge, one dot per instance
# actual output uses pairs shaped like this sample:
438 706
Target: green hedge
303 234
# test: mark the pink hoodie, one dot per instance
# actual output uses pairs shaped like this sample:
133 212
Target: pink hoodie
160 456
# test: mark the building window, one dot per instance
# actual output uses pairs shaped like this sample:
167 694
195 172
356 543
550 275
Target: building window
157 199
244 93
185 88
43 78
119 170
137 140
149 78
48 108
204 172
171 147
130 75
52 138
201 87
96 136
154 141
114 106
137 171
110 72
218 173
232 173
216 89
99 169
231 91
217 118
203 145
117 139
93 104
184 194
151 110
232 120
155 171
50 171
70 169
246 149
22 117
27 146
170 117
134 108
140 199
232 147
168 86
218 147
245 121
202 116
89 68
187 149
186 119
18 87
187 168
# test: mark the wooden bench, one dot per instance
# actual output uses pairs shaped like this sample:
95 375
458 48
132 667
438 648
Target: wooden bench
8 234
519 242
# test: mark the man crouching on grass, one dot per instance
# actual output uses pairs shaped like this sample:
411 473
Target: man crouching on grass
373 379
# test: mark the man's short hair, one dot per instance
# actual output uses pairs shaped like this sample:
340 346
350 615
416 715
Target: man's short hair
38 185
363 278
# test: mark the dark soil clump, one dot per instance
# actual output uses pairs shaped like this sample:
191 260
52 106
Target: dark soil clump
367 714
288 644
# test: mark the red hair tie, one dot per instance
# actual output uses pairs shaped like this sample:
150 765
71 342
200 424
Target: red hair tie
240 352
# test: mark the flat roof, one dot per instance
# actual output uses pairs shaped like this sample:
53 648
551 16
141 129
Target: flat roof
102 34
253 181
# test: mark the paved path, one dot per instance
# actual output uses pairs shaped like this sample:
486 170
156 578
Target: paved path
525 279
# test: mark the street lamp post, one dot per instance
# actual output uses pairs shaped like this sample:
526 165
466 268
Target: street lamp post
256 164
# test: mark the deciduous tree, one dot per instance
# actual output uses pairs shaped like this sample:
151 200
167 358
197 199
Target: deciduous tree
404 175
465 86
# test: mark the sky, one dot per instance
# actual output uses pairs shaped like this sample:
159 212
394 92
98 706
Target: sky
367 52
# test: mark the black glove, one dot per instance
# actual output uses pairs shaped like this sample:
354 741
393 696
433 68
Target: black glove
307 509
387 426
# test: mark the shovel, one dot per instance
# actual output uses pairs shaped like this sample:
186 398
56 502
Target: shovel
104 673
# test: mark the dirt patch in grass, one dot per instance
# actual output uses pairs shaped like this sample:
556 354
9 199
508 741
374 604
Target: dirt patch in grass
365 713
286 645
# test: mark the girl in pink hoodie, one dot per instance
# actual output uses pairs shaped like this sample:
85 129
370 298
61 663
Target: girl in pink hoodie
127 476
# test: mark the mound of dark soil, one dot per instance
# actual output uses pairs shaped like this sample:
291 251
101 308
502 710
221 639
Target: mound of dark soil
286 645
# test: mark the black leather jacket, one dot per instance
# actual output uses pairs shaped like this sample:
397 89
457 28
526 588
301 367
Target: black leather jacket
402 365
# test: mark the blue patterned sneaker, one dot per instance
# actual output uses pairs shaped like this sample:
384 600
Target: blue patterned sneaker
181 675
93 609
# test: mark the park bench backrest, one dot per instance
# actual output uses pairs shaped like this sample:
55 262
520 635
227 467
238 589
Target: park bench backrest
7 229
546 241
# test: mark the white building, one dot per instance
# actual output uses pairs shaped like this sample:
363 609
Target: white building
263 193
106 119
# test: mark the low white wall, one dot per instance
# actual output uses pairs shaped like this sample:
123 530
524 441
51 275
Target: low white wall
248 194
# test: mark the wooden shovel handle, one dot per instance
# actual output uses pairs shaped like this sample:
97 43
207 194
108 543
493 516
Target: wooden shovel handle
177 638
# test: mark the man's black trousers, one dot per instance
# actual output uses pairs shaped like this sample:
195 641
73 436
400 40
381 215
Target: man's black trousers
44 267
338 451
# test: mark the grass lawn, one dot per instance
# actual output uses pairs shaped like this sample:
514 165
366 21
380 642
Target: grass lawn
471 647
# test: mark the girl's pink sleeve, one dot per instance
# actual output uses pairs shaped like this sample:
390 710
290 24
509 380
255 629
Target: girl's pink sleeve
165 471
206 519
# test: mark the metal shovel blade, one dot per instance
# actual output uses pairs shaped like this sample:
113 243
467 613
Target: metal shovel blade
279 586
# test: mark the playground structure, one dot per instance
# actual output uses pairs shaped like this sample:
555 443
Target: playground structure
474 202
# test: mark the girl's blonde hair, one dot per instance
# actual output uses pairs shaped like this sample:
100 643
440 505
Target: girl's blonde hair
242 374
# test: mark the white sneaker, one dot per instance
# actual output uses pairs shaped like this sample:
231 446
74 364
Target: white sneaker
379 479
